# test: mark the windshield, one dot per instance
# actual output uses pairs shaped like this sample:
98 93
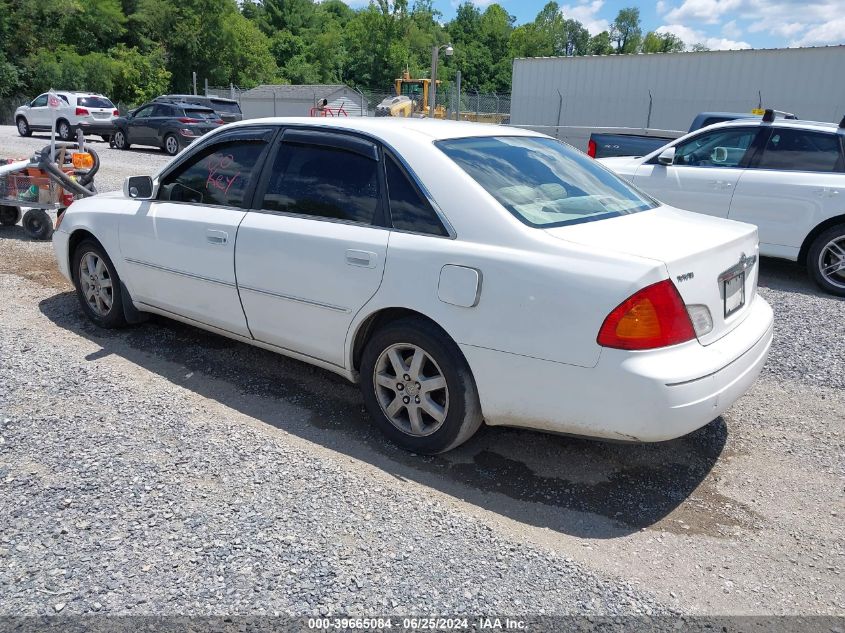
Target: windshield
95 102
543 182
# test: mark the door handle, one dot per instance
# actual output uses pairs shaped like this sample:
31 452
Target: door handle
216 237
365 259
721 184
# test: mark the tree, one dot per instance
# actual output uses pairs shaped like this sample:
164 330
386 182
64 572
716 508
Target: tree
662 43
625 32
699 47
600 44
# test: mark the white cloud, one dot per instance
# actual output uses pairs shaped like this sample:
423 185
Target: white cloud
796 22
692 36
832 32
587 14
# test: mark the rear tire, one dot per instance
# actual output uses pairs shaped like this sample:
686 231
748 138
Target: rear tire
9 216
826 260
171 145
23 127
120 140
97 285
37 224
418 387
64 130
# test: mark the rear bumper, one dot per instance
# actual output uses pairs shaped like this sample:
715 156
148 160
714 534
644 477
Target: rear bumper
104 128
635 396
60 249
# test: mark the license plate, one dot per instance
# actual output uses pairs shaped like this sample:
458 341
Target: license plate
734 293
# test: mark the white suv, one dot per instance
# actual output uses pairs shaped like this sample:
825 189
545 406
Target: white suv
90 112
785 176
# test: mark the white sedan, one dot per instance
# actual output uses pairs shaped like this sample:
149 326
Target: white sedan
785 176
460 272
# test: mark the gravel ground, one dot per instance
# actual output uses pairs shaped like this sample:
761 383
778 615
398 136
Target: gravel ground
162 469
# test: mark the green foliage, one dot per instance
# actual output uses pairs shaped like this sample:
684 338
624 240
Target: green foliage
625 32
133 50
662 43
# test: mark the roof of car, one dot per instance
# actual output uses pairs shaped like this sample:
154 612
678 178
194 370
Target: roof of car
384 127
190 97
820 126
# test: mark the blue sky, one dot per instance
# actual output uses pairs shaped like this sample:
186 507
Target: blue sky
720 24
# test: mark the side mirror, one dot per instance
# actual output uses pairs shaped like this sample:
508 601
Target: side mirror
138 187
667 156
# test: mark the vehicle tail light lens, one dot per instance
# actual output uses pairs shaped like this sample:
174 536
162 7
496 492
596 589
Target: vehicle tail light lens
702 320
188 120
67 200
591 149
116 112
220 121
82 111
652 317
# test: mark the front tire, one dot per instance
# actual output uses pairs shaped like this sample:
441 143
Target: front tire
23 127
9 216
120 140
97 285
171 145
64 130
37 224
826 260
418 387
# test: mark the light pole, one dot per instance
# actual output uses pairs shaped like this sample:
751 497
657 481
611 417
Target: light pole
435 56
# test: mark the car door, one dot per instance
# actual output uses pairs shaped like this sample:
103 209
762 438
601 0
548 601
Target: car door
179 248
139 128
705 172
312 253
39 114
793 184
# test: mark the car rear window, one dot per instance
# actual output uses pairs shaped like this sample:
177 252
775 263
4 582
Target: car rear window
544 182
196 113
95 102
226 106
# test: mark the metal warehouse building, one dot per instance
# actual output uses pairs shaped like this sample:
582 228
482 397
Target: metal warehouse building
666 90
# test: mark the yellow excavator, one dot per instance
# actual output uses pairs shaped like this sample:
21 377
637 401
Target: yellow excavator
411 99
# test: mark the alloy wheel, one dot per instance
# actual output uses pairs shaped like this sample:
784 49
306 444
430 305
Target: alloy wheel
96 283
832 261
411 389
171 145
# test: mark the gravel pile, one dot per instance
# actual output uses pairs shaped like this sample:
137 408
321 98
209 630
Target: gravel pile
118 495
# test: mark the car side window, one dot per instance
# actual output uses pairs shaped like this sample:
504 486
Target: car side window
39 101
144 112
719 148
161 110
409 209
325 182
801 150
217 175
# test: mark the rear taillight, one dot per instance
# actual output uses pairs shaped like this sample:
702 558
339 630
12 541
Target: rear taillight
591 149
116 112
653 317
82 111
188 120
220 121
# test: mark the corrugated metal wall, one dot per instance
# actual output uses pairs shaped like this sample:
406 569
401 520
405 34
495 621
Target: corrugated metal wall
613 90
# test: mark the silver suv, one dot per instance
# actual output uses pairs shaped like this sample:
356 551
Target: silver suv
90 112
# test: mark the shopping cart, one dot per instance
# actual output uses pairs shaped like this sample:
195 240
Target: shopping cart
44 185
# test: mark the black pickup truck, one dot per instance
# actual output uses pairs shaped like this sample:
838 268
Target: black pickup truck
633 144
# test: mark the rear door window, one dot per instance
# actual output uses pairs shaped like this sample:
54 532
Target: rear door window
324 182
801 150
220 174
409 209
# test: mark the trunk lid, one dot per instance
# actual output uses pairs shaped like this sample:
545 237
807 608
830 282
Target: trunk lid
705 257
